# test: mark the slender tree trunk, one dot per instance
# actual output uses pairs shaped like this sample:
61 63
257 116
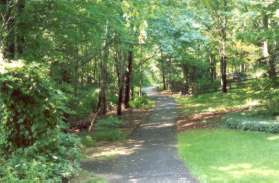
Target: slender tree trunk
103 84
272 68
164 80
128 79
141 80
212 63
185 70
103 73
223 68
223 65
19 37
163 69
120 76
169 78
13 39
9 29
120 99
266 51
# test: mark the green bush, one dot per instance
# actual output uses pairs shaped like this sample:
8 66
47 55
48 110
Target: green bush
204 86
263 84
141 102
109 134
109 122
248 123
82 103
88 140
32 145
272 99
107 129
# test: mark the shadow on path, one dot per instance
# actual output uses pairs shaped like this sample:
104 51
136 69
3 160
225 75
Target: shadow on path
152 155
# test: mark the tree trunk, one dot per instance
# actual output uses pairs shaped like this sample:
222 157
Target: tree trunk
164 80
223 65
9 29
13 40
224 73
120 76
212 63
266 51
163 70
19 37
120 99
103 84
103 74
185 70
128 78
272 68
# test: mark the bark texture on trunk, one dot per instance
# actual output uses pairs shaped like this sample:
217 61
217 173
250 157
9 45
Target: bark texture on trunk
223 64
266 52
13 40
128 79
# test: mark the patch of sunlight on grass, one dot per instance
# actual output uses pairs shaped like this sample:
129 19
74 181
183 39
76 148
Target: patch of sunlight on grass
220 155
214 102
273 137
246 169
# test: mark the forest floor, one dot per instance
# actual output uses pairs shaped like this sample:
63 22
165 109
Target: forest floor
149 155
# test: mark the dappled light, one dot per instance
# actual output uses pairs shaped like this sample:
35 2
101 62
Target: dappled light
111 151
242 156
108 85
241 170
273 138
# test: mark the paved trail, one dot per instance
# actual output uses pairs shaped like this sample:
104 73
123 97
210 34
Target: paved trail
155 158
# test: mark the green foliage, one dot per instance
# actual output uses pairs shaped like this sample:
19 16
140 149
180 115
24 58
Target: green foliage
142 102
82 103
109 122
109 134
269 92
243 121
48 160
204 86
273 102
87 140
32 142
218 102
108 129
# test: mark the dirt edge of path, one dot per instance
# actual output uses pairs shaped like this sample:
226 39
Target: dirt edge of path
203 119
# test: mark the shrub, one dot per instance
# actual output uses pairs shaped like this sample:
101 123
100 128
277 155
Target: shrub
236 121
32 142
109 134
107 129
272 99
204 86
88 140
82 103
109 122
141 102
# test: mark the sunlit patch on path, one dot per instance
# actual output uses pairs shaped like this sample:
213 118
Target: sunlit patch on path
150 155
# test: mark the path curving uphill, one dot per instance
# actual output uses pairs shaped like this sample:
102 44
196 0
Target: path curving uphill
154 157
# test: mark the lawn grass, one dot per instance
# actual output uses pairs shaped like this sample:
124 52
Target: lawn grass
221 155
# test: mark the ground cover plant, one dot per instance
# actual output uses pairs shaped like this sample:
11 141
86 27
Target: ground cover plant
66 64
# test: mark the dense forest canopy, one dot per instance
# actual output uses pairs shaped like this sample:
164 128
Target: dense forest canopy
63 59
